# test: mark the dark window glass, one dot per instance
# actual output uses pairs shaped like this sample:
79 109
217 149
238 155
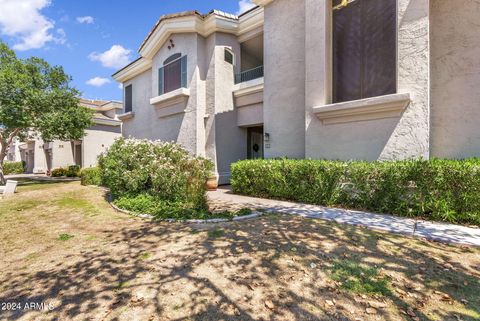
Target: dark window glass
172 75
172 58
364 49
229 56
128 99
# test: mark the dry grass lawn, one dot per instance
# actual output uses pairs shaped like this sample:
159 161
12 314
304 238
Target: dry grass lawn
61 244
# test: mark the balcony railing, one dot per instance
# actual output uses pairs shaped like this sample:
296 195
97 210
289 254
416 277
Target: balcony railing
250 74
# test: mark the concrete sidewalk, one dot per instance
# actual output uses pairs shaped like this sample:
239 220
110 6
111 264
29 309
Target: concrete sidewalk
430 230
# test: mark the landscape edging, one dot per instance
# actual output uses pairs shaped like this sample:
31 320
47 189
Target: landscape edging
254 214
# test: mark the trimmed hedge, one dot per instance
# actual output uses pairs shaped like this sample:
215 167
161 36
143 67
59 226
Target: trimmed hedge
445 190
11 168
70 171
91 176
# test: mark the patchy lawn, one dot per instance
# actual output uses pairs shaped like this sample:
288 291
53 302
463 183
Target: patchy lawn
62 244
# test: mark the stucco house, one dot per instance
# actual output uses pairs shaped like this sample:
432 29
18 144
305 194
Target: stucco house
40 156
369 80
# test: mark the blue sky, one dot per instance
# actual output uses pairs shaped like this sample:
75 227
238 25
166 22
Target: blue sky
91 39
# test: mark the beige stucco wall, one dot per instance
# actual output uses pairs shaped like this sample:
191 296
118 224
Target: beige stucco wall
230 140
62 154
96 141
207 125
156 123
284 92
455 59
385 139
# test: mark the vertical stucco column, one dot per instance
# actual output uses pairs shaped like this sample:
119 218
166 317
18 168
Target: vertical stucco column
411 138
318 62
284 91
39 157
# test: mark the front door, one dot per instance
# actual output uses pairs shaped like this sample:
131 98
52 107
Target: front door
30 161
255 142
78 154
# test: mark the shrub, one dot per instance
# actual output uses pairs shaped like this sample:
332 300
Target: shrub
73 171
163 171
59 172
444 190
70 171
11 168
91 176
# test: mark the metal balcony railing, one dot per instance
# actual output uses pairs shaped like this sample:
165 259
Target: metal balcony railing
250 74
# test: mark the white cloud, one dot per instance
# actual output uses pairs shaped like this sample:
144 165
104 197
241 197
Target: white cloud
86 19
23 21
98 81
244 5
62 36
120 86
115 57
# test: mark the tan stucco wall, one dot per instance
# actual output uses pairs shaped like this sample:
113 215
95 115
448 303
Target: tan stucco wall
230 140
284 92
455 58
62 154
151 122
385 139
208 125
96 141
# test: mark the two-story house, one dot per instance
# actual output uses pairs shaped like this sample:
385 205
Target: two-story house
322 79
40 156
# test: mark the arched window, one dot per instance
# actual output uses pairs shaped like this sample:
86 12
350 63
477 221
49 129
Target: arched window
173 74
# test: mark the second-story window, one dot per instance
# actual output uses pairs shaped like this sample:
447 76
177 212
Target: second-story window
128 99
173 74
229 56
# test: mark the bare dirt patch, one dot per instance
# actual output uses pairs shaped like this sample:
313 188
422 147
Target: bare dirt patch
62 244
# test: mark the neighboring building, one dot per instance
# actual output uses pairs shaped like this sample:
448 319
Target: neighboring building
42 156
13 153
373 80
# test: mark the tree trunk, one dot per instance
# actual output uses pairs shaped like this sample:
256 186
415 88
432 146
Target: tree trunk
5 143
3 155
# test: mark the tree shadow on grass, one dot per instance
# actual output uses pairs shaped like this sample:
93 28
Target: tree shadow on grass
274 268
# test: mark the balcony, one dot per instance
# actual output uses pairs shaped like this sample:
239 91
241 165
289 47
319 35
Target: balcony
249 74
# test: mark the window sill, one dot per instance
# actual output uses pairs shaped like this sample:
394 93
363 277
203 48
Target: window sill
126 116
170 98
388 106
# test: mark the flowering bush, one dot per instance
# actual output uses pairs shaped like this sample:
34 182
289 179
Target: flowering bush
165 171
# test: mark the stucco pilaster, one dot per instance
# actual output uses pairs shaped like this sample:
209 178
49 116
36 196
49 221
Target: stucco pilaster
411 137
284 81
318 63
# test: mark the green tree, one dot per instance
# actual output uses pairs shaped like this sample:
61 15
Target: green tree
36 99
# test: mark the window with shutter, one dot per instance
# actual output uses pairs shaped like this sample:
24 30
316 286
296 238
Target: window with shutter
173 75
364 49
128 99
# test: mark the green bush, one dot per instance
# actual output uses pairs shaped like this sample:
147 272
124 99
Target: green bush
59 172
70 171
73 171
11 168
164 171
446 190
91 176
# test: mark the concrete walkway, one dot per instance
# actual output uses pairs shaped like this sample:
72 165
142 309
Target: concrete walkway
430 230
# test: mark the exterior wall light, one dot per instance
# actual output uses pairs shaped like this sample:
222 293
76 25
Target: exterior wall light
266 137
